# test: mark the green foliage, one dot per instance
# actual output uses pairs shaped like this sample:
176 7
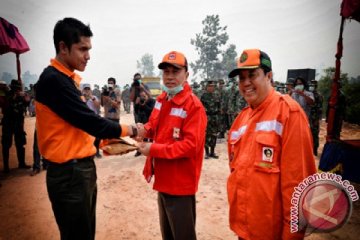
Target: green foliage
146 65
7 77
352 94
29 78
208 46
350 88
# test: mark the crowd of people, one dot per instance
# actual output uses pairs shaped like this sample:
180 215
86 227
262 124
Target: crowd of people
175 132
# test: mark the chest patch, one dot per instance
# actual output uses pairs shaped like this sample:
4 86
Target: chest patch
267 154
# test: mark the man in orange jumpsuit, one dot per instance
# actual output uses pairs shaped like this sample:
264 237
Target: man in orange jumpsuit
270 152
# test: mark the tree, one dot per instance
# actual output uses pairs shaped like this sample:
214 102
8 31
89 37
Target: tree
350 88
229 59
29 78
325 84
146 65
208 46
352 93
7 77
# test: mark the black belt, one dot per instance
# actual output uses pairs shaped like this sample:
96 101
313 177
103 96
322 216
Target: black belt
71 161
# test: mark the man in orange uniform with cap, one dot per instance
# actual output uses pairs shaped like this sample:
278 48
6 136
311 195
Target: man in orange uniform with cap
270 152
66 130
177 126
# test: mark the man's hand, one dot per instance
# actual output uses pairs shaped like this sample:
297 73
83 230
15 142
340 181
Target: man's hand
144 148
141 132
137 100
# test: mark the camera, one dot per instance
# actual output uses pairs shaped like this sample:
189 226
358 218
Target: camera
136 83
105 91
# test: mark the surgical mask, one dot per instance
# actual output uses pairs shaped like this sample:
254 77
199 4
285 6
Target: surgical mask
299 87
172 91
311 89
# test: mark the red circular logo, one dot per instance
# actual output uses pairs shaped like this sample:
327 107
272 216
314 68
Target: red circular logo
325 206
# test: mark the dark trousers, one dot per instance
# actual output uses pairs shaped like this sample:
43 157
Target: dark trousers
36 155
177 216
13 127
72 191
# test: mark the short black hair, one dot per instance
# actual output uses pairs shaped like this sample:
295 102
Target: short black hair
303 81
112 79
69 30
137 74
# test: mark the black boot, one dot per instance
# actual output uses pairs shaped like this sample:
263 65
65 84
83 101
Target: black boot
206 152
20 151
212 154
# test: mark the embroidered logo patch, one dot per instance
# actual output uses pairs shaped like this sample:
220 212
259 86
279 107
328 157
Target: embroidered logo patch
176 133
267 154
243 57
172 56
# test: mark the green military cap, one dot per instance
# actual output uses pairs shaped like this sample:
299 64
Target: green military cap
221 81
313 82
290 81
210 82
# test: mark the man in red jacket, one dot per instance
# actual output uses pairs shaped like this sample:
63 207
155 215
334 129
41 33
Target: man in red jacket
177 126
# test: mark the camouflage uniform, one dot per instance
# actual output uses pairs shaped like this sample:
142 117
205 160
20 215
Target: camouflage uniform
223 117
13 124
315 117
236 102
125 97
196 89
211 102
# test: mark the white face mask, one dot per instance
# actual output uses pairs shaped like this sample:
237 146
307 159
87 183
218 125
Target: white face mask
299 87
172 91
311 88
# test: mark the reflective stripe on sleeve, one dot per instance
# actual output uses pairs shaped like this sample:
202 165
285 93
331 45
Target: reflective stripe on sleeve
157 105
268 126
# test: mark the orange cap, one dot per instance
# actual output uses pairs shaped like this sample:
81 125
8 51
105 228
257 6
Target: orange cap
174 58
251 59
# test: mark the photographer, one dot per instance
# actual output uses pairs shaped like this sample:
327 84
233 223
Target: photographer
111 100
136 87
146 105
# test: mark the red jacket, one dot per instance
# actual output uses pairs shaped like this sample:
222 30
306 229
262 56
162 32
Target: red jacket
270 151
178 129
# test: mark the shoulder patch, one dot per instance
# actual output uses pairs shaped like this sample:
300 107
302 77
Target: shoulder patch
293 105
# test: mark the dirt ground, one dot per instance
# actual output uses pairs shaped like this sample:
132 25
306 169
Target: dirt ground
126 207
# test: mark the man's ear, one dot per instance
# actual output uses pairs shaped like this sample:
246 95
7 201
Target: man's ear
269 75
62 47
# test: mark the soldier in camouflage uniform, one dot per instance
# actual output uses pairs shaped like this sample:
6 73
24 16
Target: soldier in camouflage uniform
236 102
315 115
13 124
196 89
125 97
223 117
211 101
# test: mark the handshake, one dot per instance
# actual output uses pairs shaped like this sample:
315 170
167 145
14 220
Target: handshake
138 133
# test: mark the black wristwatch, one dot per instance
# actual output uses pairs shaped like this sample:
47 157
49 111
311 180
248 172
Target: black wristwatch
135 132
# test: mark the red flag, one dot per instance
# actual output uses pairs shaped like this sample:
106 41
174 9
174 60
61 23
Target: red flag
351 9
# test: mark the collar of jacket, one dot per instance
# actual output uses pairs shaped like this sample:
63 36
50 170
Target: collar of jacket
60 67
264 103
179 98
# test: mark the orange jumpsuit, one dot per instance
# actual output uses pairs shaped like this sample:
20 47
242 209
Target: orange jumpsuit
270 152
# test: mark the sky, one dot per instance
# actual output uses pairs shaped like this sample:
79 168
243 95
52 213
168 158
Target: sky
294 33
